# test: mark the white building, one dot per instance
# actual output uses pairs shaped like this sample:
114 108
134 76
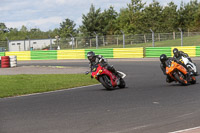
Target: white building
26 45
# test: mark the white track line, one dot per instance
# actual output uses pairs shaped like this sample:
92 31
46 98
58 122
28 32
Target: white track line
51 91
185 130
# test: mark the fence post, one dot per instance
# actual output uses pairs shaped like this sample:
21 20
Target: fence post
72 38
57 40
117 40
25 44
50 42
29 42
181 36
123 38
104 41
90 43
96 40
76 43
153 44
8 44
145 40
174 35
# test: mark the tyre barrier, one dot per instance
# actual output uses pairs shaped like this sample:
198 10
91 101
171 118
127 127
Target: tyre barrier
8 61
13 61
5 61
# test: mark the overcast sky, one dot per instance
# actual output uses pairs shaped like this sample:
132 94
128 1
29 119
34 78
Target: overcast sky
48 14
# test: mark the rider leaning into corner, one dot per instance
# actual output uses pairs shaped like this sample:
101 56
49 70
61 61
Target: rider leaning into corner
178 57
99 59
163 65
178 54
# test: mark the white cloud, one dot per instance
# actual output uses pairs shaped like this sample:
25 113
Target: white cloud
36 23
48 14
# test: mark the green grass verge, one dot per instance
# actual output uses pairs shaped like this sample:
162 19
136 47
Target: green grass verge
15 85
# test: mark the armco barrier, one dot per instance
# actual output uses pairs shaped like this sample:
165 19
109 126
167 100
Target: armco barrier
71 54
128 53
24 55
157 51
197 50
2 53
107 53
190 50
44 55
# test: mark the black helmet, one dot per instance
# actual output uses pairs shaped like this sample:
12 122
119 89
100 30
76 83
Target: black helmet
91 56
175 51
163 57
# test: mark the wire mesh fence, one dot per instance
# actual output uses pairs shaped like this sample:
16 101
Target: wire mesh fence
114 41
139 40
3 46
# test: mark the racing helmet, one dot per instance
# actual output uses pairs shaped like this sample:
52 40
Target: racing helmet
91 56
163 58
176 52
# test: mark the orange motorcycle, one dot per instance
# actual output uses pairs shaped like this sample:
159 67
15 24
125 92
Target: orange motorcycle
179 73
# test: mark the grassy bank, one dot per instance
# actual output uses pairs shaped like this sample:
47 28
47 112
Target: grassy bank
15 85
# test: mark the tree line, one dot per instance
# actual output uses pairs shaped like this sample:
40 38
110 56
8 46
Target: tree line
136 18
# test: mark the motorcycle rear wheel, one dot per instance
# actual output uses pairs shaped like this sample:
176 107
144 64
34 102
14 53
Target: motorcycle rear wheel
105 81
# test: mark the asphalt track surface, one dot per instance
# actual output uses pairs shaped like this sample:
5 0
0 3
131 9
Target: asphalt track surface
147 105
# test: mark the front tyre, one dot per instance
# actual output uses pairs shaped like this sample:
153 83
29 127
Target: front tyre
180 77
122 83
193 80
106 82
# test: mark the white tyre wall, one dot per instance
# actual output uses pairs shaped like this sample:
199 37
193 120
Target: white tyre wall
13 64
13 61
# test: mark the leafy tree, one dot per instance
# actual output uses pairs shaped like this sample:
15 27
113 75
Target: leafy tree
109 21
92 22
67 28
131 18
197 19
153 17
169 16
190 10
23 29
2 27
123 21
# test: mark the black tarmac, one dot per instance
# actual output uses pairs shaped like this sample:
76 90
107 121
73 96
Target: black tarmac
147 105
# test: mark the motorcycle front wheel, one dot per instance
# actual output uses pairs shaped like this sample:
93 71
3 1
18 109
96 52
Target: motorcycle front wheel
106 82
193 80
181 78
122 83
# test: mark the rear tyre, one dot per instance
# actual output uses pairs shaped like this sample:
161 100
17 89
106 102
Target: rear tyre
105 81
122 83
181 78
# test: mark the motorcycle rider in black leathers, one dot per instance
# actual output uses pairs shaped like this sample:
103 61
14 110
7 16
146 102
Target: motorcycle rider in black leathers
164 59
178 57
99 59
163 65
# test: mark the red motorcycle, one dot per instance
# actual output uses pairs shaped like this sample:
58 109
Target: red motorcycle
107 78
